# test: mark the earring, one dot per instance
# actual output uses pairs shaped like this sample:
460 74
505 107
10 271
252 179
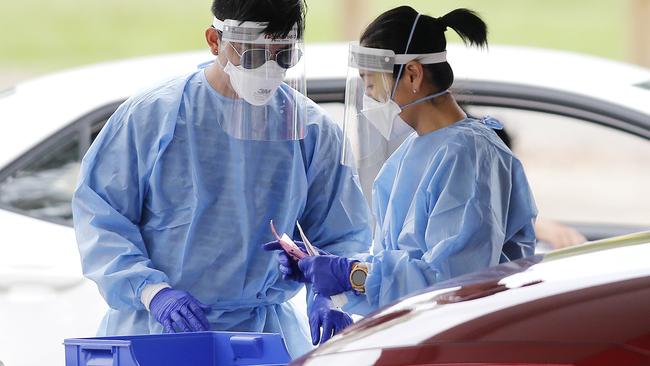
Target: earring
414 91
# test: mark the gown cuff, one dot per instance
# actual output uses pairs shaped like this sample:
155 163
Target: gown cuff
149 291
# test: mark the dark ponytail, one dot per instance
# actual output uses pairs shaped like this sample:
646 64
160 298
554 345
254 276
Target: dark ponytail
469 26
391 31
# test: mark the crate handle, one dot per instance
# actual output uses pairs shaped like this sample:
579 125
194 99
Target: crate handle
98 355
247 346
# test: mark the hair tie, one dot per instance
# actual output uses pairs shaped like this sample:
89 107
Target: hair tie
442 23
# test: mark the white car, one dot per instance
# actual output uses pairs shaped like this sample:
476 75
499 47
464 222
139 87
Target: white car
569 113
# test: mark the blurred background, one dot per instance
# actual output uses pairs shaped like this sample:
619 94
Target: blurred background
582 173
40 36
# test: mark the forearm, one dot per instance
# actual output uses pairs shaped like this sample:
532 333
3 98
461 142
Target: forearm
112 251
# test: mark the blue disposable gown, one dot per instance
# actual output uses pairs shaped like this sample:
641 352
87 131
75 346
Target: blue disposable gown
446 203
166 196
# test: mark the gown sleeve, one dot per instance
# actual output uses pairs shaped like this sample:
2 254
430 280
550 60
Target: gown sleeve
336 217
107 207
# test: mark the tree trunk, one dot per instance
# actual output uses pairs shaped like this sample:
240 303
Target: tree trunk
355 18
640 32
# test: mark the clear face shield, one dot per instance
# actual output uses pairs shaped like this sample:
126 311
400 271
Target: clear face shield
371 122
265 98
371 126
368 87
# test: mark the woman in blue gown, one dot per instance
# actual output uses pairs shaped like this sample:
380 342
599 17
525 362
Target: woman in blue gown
452 199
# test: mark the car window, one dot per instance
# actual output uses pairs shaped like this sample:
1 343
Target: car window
5 93
42 185
335 110
579 171
644 85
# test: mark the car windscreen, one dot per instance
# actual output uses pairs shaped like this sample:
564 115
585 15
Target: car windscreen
41 183
43 187
7 92
643 85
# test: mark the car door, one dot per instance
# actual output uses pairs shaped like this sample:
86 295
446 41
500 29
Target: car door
586 159
44 297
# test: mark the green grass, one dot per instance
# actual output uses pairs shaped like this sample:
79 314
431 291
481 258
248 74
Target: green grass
589 26
53 34
44 35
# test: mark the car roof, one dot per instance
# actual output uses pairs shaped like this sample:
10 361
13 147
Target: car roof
38 108
621 83
505 286
65 96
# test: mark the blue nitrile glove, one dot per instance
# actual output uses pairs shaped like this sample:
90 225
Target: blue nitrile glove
329 274
323 314
180 310
288 266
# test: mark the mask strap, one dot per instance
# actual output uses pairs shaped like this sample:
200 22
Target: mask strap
408 43
423 99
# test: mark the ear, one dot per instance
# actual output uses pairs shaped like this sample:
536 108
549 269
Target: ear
414 74
212 38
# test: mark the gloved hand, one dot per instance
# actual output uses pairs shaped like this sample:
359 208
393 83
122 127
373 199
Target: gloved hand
180 310
288 266
329 274
323 314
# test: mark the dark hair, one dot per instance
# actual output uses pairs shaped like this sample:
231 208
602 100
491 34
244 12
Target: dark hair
280 14
505 137
391 30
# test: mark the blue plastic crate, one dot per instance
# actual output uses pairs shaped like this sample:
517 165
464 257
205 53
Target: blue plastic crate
197 349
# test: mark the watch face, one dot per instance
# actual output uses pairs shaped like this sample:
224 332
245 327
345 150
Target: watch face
358 278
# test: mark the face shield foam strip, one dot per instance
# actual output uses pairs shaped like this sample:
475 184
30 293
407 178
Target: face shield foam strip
424 58
371 59
382 60
251 32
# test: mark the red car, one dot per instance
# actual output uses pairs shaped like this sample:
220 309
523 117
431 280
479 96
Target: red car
586 305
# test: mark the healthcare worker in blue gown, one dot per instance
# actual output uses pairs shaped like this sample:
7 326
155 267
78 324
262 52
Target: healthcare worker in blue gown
177 191
452 199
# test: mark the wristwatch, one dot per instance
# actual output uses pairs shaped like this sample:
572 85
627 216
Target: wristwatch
358 276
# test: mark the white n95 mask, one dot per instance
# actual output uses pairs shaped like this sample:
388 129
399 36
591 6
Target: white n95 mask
385 117
256 86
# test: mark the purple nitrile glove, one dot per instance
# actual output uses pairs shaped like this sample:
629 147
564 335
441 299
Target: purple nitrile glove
176 309
328 274
288 266
323 314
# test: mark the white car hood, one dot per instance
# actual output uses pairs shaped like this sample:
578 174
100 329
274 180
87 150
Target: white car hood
44 297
